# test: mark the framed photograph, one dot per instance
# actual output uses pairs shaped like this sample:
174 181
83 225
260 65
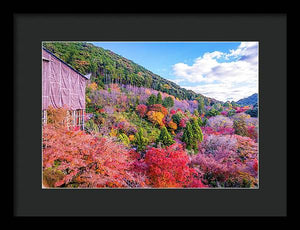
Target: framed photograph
167 120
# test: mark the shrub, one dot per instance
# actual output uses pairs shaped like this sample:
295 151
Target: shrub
52 176
142 110
169 168
85 160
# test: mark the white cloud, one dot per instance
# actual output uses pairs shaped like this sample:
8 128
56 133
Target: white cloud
224 76
224 92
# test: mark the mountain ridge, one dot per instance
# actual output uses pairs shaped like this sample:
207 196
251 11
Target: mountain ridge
251 100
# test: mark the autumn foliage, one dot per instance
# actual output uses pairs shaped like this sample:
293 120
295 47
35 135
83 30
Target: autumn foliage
142 110
59 116
82 160
169 168
156 117
130 140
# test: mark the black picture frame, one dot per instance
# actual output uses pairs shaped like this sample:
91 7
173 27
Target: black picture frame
29 199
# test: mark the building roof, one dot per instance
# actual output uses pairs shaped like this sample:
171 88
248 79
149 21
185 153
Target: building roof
85 76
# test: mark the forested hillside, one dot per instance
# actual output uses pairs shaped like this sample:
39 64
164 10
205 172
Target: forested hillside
107 67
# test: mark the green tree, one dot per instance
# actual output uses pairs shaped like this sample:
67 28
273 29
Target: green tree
151 100
231 113
196 113
192 135
165 137
201 106
140 141
137 101
91 126
213 112
198 135
159 99
200 122
203 122
188 136
124 138
168 102
233 103
177 117
227 104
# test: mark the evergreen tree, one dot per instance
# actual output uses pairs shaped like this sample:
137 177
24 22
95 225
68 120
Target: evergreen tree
231 113
188 137
165 137
137 101
159 99
227 104
168 102
151 100
140 141
201 106
233 103
124 138
200 122
192 134
213 112
177 117
253 112
198 135
196 113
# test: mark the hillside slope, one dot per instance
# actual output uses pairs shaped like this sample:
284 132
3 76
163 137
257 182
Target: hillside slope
251 100
108 67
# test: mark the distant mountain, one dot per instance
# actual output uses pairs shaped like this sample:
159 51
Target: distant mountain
108 67
251 100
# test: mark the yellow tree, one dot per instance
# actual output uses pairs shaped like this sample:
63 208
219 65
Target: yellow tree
156 117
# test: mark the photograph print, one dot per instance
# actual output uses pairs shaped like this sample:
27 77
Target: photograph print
150 115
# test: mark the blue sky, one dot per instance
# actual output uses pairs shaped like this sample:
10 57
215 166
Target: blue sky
222 70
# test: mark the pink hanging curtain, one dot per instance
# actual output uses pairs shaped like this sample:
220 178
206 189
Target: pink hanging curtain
61 85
